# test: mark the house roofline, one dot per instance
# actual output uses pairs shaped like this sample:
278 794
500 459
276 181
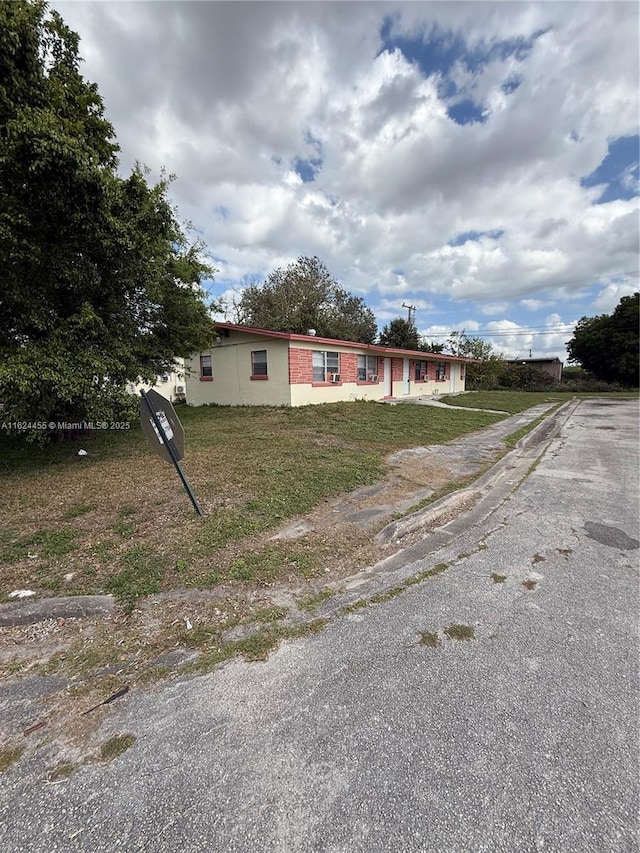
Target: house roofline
554 360
373 348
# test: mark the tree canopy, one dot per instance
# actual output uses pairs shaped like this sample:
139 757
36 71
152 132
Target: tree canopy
400 333
99 284
304 296
470 347
607 345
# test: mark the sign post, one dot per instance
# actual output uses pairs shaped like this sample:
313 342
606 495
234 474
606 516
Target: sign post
165 434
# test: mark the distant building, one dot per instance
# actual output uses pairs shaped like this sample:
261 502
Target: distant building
171 385
552 366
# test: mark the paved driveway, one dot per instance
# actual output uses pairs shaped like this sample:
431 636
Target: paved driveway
364 738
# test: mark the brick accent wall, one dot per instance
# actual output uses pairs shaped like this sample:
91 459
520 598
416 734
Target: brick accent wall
348 366
396 369
300 366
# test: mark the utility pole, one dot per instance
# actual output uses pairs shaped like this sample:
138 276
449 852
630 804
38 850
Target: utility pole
411 309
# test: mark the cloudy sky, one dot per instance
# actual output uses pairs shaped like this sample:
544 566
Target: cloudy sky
478 161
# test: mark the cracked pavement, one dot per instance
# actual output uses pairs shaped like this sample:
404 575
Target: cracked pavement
361 738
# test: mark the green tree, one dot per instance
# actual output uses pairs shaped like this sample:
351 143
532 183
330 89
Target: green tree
99 284
430 346
304 296
607 345
470 347
485 373
400 333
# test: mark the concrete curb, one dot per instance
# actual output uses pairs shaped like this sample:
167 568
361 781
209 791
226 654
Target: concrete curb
544 431
67 607
490 491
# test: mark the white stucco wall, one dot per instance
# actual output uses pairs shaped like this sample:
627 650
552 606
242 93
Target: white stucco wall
232 384
308 395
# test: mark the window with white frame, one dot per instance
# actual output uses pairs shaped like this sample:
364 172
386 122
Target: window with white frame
259 362
421 371
325 365
441 371
367 367
206 367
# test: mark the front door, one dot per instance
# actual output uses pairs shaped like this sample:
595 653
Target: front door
452 377
405 375
387 377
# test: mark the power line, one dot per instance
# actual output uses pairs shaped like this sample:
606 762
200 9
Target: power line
515 333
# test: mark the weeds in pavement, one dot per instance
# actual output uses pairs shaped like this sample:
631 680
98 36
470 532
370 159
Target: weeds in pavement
460 632
429 638
115 746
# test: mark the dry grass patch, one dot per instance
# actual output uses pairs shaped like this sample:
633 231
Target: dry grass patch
9 755
429 638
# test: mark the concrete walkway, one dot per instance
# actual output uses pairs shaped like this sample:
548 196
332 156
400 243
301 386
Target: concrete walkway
433 401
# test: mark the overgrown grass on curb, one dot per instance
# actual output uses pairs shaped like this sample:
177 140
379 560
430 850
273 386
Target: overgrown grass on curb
389 594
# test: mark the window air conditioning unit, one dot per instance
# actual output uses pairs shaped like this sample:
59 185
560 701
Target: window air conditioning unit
373 377
334 377
423 377
179 389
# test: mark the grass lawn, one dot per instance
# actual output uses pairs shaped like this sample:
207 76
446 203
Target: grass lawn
118 520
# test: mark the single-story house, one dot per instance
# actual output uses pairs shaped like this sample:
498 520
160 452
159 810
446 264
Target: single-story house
256 367
552 366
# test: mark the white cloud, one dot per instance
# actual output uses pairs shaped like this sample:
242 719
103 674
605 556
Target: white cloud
609 296
227 95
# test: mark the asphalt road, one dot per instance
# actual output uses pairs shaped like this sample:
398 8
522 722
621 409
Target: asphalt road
524 738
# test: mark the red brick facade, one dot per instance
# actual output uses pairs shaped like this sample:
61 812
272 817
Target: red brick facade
301 367
349 366
396 369
431 371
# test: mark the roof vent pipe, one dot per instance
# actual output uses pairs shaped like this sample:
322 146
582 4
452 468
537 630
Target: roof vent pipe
311 332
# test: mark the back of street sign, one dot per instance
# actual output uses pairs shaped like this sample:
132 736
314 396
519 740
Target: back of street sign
170 422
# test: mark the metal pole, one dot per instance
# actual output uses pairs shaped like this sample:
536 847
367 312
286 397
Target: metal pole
172 453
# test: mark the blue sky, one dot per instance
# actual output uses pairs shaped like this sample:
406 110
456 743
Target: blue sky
478 161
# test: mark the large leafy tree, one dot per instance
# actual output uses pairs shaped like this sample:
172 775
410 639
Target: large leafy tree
304 296
400 333
99 284
607 345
